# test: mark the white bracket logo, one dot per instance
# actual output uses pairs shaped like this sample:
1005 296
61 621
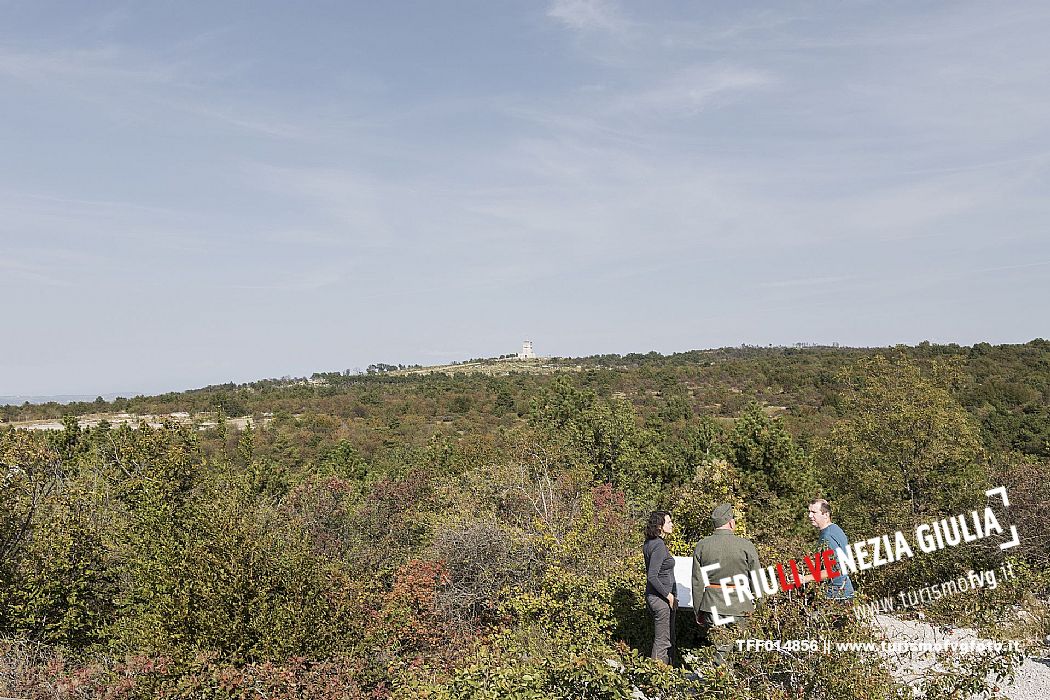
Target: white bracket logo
1001 493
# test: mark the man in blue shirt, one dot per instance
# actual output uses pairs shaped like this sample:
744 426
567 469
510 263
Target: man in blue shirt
831 537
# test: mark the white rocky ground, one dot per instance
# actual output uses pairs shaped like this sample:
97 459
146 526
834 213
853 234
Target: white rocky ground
200 421
1032 681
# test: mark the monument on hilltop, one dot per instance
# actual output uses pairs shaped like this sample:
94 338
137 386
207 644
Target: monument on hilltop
526 351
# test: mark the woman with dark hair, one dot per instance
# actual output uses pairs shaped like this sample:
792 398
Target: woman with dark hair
660 584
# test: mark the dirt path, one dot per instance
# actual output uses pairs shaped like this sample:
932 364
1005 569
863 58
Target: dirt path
1032 681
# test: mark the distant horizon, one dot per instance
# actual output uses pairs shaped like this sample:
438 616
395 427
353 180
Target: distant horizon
73 397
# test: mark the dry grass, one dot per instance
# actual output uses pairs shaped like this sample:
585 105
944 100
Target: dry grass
493 368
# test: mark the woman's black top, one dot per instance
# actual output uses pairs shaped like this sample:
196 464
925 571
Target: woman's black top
659 568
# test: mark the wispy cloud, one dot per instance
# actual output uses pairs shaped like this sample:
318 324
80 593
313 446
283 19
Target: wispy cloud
357 203
694 89
129 85
26 273
106 224
252 120
588 15
321 237
806 282
307 281
108 63
1022 266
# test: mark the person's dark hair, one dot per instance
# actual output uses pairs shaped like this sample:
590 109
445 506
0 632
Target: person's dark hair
824 506
655 523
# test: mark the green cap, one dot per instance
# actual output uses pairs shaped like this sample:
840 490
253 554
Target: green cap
722 514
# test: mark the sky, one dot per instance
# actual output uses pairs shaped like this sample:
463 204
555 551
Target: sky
194 193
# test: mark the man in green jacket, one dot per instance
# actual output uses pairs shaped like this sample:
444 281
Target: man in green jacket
721 555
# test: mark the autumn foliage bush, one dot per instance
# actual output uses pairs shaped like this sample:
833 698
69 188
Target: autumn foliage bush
41 675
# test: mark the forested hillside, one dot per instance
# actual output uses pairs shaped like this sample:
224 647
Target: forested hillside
479 535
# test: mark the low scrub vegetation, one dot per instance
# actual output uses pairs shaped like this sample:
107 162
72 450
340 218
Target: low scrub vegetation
363 544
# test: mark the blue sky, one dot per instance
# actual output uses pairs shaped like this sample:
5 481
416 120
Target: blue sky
194 193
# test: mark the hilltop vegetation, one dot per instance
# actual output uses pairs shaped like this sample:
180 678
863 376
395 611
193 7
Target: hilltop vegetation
1006 388
462 536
